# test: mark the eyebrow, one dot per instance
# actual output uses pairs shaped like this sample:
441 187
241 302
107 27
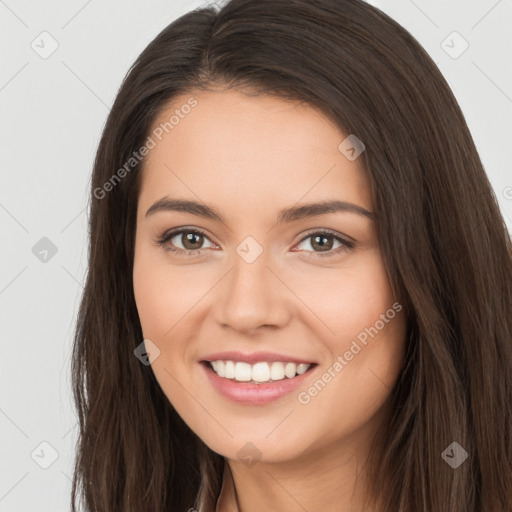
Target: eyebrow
286 215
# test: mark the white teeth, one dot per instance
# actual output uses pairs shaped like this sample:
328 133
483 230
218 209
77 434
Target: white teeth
258 372
277 371
229 370
290 370
301 368
243 372
220 368
261 372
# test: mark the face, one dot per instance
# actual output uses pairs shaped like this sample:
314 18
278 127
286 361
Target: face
234 263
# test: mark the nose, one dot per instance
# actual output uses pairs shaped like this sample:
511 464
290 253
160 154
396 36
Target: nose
251 297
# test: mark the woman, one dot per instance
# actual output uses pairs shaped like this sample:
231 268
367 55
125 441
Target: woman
299 285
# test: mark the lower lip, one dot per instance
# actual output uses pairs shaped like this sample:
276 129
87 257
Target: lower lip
255 394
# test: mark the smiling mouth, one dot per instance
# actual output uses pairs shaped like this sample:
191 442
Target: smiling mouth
259 373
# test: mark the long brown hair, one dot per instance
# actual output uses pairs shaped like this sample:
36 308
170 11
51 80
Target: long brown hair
444 243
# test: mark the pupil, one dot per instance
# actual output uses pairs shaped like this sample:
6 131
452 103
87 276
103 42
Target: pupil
322 245
189 240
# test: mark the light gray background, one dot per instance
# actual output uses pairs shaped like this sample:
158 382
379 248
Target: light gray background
52 111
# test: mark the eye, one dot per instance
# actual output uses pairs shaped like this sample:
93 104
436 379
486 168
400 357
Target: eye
323 243
191 241
188 241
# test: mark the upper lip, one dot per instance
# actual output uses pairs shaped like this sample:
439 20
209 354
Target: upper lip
255 357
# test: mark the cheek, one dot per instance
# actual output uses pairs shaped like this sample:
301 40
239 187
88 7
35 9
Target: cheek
161 296
166 296
347 299
151 298
162 299
364 334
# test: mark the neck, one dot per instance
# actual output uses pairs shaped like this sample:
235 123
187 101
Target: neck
331 478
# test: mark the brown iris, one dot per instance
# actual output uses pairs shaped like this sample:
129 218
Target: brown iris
192 240
319 242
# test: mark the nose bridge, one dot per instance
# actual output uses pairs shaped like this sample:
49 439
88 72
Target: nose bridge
251 295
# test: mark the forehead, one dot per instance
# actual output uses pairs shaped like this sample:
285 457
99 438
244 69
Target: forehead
249 151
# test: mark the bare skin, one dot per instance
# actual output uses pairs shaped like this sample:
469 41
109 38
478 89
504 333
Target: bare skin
249 158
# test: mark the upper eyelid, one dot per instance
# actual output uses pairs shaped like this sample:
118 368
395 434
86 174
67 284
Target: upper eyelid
327 231
179 231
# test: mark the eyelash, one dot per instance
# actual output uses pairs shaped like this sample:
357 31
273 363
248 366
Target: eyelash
166 237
